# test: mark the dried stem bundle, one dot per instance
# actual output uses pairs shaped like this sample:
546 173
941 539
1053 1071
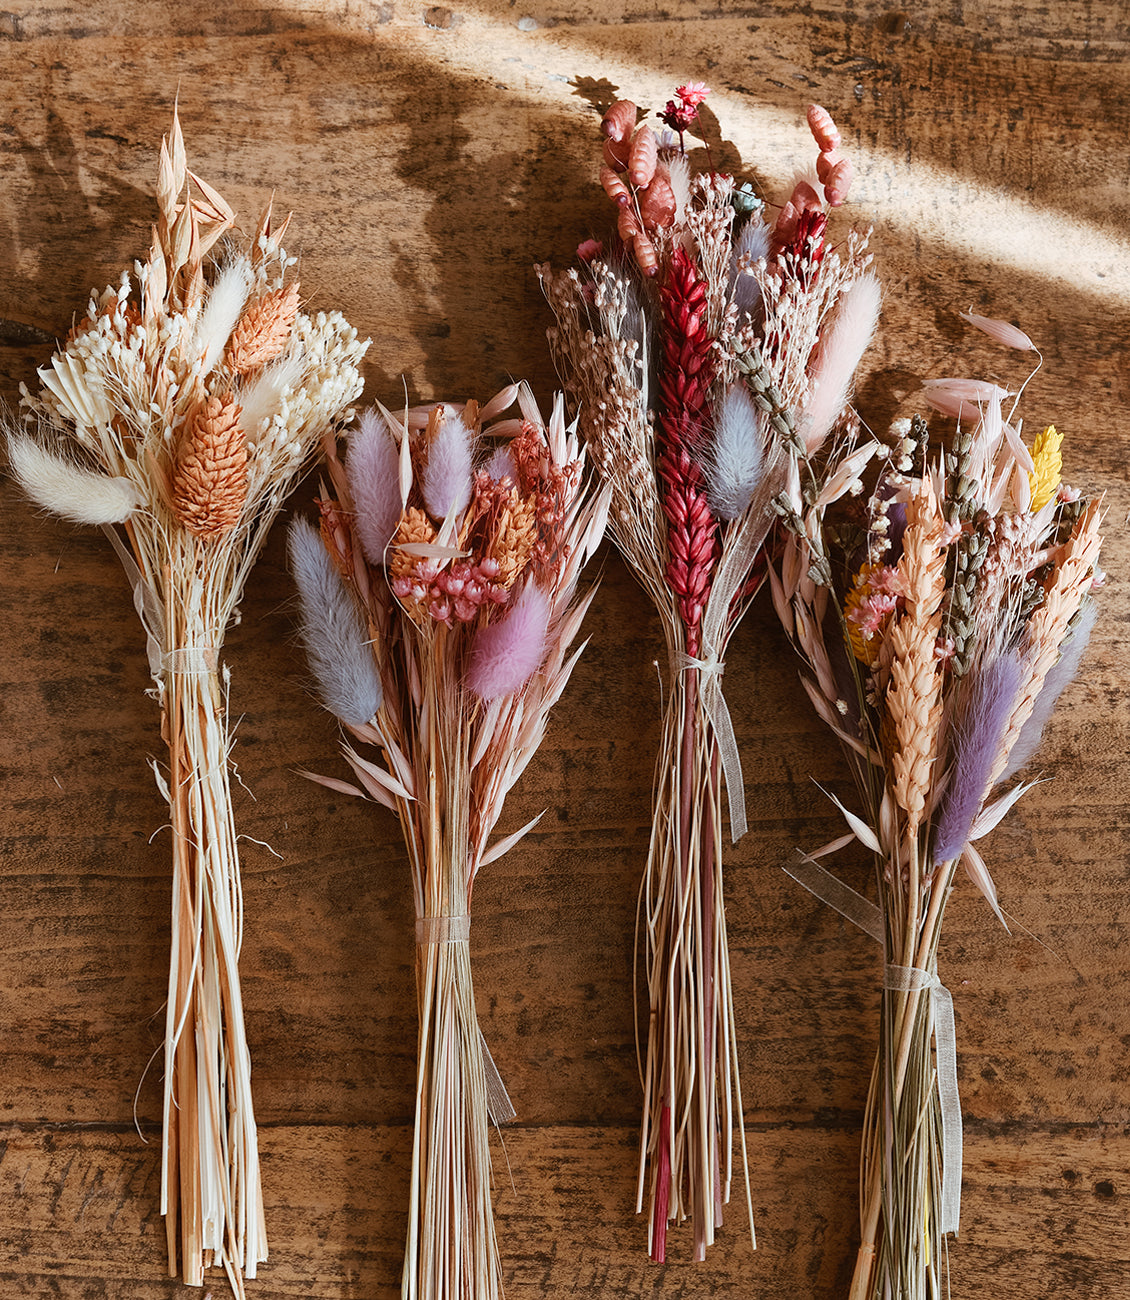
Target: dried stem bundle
439 603
699 351
937 633
148 423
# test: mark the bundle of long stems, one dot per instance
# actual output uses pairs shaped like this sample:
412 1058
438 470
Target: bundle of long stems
938 625
178 415
439 604
702 346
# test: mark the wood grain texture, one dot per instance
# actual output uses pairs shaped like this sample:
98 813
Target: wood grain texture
431 155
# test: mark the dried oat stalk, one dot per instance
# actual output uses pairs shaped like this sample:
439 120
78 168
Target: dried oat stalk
177 416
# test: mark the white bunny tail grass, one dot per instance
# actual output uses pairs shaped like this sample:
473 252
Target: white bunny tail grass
56 483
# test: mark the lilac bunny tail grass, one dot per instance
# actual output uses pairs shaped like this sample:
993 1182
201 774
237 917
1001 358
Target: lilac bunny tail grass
1059 677
332 631
978 743
736 461
506 654
447 475
372 468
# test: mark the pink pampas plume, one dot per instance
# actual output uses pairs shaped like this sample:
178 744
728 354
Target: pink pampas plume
840 351
372 471
504 655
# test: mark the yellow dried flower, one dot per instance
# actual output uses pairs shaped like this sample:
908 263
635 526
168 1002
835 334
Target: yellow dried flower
1044 481
514 537
415 528
864 648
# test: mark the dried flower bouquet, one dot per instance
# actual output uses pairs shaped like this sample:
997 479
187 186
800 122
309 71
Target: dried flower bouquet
438 607
178 415
938 620
705 343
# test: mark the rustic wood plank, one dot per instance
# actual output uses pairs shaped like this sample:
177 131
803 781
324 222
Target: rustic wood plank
1049 1199
431 155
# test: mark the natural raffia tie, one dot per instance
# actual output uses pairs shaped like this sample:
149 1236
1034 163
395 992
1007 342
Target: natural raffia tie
912 979
457 929
906 979
728 580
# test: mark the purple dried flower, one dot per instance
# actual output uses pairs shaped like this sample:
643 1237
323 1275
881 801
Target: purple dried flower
993 695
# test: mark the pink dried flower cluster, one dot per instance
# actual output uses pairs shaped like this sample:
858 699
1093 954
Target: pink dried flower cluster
803 217
872 610
681 115
458 592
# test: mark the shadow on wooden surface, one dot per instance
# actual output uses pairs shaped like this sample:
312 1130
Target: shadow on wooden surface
429 164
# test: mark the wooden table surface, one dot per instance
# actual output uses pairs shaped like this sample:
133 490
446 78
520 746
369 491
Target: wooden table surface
431 156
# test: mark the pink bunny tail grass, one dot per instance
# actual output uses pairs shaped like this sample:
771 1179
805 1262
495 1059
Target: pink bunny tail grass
447 475
372 469
841 350
504 655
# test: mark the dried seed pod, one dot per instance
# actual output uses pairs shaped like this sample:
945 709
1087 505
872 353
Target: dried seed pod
823 129
264 330
620 120
825 163
643 156
637 243
209 481
615 188
838 183
616 154
628 225
657 204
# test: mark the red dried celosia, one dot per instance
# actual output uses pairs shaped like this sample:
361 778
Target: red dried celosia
685 375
